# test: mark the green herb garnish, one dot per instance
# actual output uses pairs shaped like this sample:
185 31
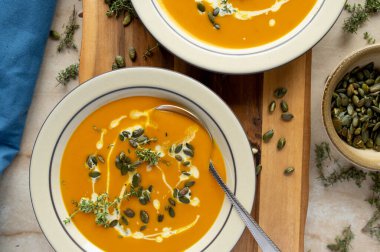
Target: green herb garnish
147 155
342 242
67 38
120 7
69 73
359 14
369 38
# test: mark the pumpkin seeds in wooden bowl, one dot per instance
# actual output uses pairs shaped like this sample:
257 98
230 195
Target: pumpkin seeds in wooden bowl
351 107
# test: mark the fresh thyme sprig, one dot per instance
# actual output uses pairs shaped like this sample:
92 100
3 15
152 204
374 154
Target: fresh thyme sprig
323 152
67 38
149 51
69 73
100 208
120 7
147 155
342 242
359 14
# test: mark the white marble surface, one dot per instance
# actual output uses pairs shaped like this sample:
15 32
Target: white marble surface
329 209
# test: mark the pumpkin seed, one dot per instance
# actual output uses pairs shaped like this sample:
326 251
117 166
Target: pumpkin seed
92 161
138 132
189 183
284 106
280 92
178 148
289 171
186 163
184 200
281 143
136 180
189 146
287 117
160 217
171 212
175 193
215 12
268 135
171 201
127 19
201 7
184 191
178 157
142 228
129 213
186 173
94 174
144 216
124 220
132 54
272 106
188 152
113 223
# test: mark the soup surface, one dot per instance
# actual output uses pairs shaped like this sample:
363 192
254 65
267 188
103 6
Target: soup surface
137 179
237 24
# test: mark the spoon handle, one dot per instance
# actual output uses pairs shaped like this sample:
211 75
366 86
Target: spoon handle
265 243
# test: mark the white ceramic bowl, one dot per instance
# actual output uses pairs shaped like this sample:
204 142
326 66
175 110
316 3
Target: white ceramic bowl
77 105
257 59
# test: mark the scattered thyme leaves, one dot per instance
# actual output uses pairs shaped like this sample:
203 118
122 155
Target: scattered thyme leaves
67 38
369 38
69 73
120 7
342 242
322 152
359 14
147 155
149 51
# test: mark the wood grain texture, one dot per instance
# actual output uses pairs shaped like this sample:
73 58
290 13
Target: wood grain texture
281 203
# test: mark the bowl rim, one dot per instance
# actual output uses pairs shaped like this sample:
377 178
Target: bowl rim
248 200
325 14
326 99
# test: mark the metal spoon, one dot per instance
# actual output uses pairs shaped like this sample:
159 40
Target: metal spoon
262 239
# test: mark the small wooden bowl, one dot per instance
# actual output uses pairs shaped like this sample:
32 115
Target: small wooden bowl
368 159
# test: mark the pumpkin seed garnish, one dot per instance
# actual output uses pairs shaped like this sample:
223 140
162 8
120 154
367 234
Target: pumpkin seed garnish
92 161
216 11
186 163
144 216
188 152
178 148
268 135
280 92
186 173
160 217
284 106
171 201
138 132
189 146
184 191
113 223
289 171
101 159
272 107
201 7
129 213
281 143
175 193
184 200
189 183
171 212
136 180
142 228
178 157
127 19
124 220
287 117
94 174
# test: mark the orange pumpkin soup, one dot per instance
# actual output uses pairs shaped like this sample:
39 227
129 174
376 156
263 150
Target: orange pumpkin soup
237 24
136 178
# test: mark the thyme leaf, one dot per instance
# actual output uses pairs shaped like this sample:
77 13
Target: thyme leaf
147 155
69 73
67 38
369 38
323 153
342 242
359 14
120 7
149 51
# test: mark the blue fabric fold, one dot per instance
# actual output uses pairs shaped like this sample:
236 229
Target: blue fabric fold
24 29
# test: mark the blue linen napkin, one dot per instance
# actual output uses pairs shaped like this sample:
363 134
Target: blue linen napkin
24 29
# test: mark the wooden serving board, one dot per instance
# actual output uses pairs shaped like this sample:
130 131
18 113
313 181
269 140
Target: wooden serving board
280 202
